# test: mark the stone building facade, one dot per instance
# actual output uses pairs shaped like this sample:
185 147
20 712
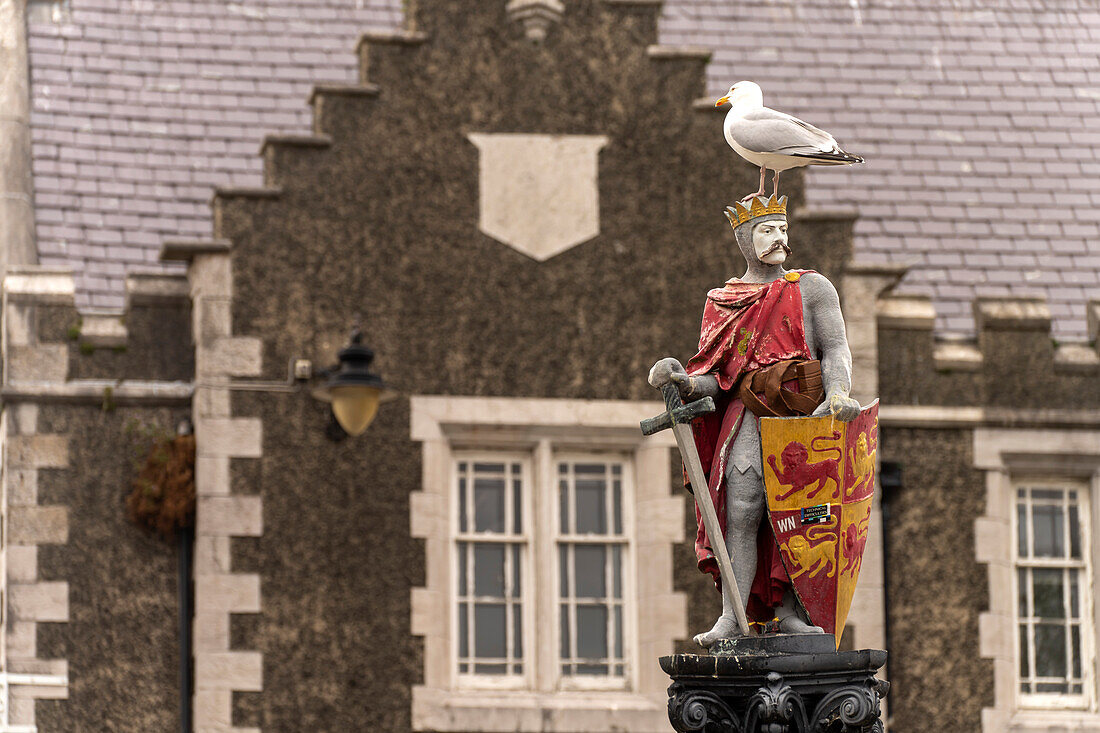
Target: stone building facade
326 584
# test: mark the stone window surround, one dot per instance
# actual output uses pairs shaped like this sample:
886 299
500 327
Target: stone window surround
444 424
1006 455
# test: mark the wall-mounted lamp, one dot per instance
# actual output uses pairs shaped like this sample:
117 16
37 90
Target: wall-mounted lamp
352 388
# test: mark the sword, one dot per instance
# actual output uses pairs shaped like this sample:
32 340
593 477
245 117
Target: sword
678 416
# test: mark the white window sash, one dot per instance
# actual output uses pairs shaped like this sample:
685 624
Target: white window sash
509 680
1086 522
627 571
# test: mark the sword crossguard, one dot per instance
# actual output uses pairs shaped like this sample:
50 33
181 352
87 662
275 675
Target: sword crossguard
677 413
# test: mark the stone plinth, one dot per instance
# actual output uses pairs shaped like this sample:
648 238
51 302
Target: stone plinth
776 683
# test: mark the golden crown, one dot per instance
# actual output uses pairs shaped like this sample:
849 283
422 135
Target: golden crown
738 214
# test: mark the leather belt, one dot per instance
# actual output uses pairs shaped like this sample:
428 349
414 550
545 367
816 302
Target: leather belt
783 402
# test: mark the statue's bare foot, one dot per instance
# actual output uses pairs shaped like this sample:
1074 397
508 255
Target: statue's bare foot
794 625
724 628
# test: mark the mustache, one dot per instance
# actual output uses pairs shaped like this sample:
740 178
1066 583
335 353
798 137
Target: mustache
775 247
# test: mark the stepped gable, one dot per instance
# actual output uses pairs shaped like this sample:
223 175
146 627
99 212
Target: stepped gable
377 213
1014 363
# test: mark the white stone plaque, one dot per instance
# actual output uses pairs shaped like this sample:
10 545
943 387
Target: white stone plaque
539 193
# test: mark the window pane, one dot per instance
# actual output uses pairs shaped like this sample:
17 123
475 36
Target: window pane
563 566
590 569
1049 533
1021 529
517 567
463 631
1022 583
591 632
488 468
1050 650
617 571
517 505
1025 652
462 546
619 632
1074 530
462 501
489 570
563 503
1048 593
489 504
1073 596
565 641
489 631
591 506
1047 494
517 631
617 506
1075 649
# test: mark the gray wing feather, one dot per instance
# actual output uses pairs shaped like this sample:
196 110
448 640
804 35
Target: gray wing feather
768 131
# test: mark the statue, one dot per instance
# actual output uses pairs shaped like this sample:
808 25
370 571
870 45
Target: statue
773 345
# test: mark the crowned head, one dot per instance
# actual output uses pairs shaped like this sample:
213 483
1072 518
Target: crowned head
760 228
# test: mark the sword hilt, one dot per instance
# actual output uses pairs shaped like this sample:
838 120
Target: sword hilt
677 412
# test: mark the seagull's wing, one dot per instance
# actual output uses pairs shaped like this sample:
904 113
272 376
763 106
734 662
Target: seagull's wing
767 130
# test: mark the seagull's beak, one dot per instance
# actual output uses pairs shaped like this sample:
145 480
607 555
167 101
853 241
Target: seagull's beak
723 100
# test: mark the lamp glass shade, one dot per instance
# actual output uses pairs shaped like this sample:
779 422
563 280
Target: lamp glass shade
355 406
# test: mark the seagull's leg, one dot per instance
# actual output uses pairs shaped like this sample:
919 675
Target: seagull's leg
775 187
760 191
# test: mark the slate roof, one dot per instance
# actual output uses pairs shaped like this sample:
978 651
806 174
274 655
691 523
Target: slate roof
141 107
980 122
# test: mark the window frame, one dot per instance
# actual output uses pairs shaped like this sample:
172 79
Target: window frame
629 598
542 541
447 425
1007 455
483 681
1086 700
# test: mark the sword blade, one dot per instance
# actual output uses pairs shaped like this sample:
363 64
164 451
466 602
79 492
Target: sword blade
686 441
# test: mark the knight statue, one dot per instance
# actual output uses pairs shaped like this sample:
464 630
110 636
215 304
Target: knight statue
773 345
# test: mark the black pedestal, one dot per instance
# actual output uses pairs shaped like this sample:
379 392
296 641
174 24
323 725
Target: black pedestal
776 683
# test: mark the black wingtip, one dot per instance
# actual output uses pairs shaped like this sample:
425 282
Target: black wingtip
830 157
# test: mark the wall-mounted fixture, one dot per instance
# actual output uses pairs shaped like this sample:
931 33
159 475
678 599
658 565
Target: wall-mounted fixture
352 388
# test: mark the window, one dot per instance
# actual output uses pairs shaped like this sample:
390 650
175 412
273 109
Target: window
1035 540
491 550
494 547
549 531
592 547
1053 593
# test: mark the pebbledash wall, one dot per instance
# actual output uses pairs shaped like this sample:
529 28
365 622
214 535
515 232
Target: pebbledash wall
321 569
90 601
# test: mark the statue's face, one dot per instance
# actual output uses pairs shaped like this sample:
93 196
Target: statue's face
769 241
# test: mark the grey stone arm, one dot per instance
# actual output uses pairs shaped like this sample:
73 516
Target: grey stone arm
691 388
826 324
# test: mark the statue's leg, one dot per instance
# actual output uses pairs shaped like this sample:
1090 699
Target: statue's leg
792 617
745 504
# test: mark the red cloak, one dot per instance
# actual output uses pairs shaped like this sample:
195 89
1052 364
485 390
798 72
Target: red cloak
746 326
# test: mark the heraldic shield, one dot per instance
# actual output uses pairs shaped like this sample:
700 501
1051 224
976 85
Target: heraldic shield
819 474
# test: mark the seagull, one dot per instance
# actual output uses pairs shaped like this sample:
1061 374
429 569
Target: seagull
772 139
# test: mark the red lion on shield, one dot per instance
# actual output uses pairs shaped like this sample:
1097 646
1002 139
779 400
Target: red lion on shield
855 540
798 473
